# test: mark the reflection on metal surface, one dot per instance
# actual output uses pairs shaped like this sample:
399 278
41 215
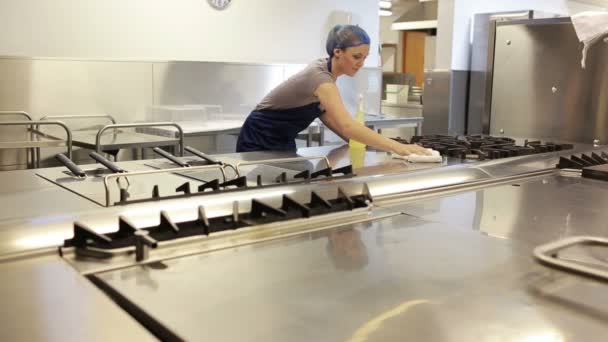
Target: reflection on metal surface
362 334
431 182
533 211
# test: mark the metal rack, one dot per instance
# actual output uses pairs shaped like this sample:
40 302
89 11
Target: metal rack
94 139
35 139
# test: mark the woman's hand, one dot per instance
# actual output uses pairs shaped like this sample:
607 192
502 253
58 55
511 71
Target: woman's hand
407 149
337 118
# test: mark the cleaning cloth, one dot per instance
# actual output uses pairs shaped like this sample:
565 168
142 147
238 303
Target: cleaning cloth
435 157
590 27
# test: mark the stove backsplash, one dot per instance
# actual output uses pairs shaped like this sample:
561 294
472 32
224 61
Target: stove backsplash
540 90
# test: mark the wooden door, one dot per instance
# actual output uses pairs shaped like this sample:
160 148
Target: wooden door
413 54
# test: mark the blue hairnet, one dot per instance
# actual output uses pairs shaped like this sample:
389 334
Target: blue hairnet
345 36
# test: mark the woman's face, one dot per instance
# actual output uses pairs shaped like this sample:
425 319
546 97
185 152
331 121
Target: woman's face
351 59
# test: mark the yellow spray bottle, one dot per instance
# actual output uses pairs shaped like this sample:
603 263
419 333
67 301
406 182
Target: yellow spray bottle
357 149
360 118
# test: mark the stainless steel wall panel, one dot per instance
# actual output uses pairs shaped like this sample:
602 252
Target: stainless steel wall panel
539 88
522 212
239 87
235 87
436 108
459 87
47 86
482 65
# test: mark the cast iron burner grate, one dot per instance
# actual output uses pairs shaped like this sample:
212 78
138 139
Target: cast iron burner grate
591 165
89 243
240 183
211 186
483 147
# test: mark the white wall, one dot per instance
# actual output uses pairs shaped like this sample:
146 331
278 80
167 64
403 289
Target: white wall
260 31
430 48
445 33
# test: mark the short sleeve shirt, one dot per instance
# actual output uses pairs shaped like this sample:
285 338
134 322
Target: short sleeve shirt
298 90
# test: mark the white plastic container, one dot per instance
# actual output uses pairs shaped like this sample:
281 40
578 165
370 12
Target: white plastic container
397 93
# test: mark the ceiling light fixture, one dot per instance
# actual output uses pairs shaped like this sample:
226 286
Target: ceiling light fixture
385 13
384 4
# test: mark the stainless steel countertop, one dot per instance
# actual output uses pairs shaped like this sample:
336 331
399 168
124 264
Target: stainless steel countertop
399 278
455 267
44 299
33 218
534 211
34 213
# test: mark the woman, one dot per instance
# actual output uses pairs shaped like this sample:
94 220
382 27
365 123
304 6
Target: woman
312 93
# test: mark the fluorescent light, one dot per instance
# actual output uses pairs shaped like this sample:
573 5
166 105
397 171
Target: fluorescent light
385 13
384 4
414 25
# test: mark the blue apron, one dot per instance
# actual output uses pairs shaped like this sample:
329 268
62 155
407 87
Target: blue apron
275 130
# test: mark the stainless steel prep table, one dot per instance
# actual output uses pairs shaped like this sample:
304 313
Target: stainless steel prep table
392 276
119 138
26 134
379 121
399 278
227 126
197 128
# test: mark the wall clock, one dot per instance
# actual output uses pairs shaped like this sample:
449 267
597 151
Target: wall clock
219 4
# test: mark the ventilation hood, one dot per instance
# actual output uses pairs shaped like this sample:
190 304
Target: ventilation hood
422 15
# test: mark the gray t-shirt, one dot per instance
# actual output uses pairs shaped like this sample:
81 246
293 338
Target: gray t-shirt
298 90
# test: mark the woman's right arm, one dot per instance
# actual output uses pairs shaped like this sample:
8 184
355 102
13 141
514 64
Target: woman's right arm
338 119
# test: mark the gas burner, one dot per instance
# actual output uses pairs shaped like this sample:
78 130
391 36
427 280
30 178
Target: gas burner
91 244
482 147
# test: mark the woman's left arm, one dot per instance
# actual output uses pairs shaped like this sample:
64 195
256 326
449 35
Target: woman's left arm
338 119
